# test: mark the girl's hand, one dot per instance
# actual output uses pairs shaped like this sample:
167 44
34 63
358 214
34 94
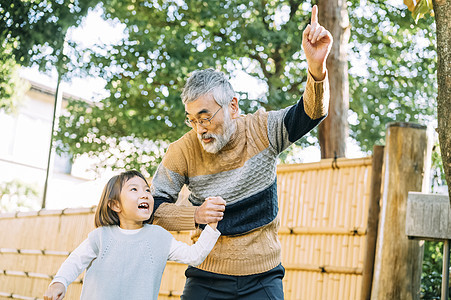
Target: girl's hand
213 225
56 291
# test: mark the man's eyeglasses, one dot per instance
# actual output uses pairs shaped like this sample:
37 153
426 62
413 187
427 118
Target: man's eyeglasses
204 122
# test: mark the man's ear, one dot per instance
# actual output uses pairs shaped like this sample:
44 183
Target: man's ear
114 205
234 108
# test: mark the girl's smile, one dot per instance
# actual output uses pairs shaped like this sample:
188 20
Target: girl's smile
135 204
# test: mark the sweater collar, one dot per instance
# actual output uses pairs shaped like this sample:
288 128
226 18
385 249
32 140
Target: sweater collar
235 138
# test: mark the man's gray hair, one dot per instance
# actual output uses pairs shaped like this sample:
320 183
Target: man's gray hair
208 81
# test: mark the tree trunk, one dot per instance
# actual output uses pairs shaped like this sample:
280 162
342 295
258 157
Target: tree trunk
442 11
333 131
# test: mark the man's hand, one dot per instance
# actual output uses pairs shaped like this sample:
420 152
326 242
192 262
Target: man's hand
317 42
211 211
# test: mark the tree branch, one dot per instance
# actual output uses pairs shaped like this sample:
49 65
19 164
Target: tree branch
294 6
264 14
295 86
262 64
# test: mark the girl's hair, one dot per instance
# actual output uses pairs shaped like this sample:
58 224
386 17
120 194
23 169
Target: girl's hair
105 216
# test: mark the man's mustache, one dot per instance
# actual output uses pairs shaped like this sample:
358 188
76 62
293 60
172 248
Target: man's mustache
208 135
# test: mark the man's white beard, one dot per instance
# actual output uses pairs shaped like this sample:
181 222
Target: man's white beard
219 140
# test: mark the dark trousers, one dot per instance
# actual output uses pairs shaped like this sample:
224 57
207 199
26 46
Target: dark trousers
202 285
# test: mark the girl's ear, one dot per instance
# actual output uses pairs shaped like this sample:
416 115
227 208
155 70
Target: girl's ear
114 205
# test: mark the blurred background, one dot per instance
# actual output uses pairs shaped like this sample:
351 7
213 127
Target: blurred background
91 88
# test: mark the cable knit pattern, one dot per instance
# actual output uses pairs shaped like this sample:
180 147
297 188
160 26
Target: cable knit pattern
255 252
244 174
257 174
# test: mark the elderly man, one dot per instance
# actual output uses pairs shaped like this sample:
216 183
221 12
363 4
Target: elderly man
228 162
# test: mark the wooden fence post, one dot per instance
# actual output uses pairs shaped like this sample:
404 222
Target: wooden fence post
398 262
373 221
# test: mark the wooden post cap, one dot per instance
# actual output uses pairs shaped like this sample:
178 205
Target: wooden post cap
405 125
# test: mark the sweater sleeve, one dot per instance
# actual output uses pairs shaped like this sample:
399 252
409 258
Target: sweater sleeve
194 254
288 125
76 263
174 217
167 183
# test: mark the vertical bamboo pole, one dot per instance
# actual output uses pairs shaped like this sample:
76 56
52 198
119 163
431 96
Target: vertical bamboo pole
397 268
55 122
373 220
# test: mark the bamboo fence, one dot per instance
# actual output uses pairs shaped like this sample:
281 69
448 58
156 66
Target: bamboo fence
324 212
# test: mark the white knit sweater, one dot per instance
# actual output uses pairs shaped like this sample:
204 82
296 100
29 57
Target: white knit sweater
129 266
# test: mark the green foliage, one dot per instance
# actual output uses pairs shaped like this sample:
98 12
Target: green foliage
419 8
399 81
33 33
164 42
16 195
147 69
431 277
37 29
438 179
10 85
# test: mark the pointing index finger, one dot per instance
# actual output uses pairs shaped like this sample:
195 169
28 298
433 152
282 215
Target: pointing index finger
314 18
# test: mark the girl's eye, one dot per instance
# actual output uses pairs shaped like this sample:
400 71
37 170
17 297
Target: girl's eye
148 190
133 189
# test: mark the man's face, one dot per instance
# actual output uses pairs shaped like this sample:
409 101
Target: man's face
218 130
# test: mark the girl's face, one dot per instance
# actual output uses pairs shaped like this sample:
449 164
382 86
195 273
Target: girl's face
136 204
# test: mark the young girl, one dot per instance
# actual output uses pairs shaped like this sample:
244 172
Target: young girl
125 258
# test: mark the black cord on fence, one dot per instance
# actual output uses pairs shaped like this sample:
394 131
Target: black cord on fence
334 162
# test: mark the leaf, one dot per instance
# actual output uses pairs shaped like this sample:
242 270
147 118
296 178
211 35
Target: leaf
431 7
423 7
410 4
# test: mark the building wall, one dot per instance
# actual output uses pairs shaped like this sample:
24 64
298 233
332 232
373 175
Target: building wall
24 147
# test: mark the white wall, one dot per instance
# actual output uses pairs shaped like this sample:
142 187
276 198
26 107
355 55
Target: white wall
24 148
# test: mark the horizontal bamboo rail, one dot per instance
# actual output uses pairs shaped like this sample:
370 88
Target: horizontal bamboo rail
167 293
15 296
323 269
49 212
323 230
32 251
325 164
32 275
